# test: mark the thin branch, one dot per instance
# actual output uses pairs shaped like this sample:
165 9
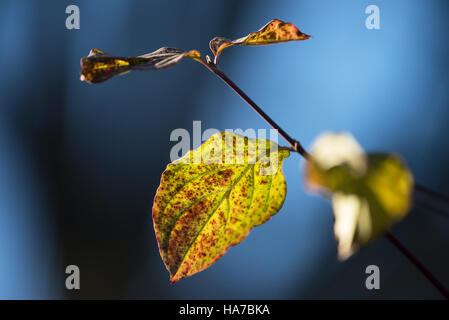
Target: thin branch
433 193
437 284
297 147
439 203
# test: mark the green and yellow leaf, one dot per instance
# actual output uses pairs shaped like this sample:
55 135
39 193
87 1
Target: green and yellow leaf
368 192
211 198
274 31
99 66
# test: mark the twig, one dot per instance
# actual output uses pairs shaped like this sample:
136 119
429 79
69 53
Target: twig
297 147
418 265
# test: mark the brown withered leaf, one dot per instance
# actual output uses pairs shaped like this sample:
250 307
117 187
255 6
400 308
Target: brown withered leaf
274 31
99 66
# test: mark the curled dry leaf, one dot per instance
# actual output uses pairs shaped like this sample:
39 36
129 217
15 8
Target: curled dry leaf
211 198
369 192
274 31
99 66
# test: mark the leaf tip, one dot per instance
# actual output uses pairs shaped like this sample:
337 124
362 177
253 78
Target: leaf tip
96 52
305 36
173 280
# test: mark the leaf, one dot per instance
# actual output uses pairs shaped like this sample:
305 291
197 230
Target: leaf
274 31
99 66
369 192
211 198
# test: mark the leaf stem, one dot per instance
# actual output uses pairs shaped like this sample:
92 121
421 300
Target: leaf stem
295 145
430 277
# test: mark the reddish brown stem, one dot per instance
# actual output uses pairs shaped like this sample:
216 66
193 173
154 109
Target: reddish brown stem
295 145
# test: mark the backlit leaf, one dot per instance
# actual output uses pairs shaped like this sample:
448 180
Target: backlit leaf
211 198
274 31
99 66
369 192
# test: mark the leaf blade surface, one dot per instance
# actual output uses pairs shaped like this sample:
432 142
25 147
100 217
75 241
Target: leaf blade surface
203 207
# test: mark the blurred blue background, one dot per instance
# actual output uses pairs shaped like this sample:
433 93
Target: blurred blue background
80 163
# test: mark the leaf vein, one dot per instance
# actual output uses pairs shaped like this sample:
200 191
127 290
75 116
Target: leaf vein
210 216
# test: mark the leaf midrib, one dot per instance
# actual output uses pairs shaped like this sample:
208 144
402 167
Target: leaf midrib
227 192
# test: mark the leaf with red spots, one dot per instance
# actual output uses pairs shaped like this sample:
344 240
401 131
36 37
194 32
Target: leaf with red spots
274 31
211 198
99 66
